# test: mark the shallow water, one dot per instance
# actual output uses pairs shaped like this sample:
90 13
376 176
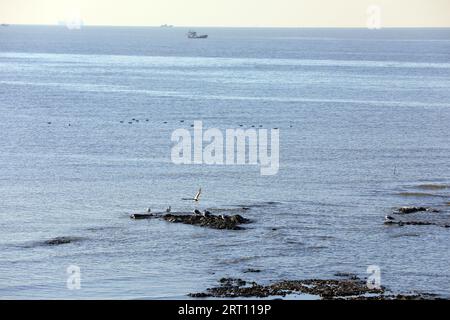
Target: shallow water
364 123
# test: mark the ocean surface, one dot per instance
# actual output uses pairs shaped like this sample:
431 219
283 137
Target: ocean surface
364 122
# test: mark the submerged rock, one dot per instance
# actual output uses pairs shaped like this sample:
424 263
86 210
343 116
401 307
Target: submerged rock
433 186
348 275
392 220
141 216
415 223
251 270
61 240
418 194
425 296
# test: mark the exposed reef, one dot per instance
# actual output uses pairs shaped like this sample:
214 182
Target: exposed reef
211 221
415 223
408 210
232 222
351 288
413 211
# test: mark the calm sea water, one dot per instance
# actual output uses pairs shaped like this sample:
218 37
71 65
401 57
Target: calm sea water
364 120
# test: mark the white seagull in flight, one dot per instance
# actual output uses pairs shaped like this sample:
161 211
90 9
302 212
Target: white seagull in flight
197 196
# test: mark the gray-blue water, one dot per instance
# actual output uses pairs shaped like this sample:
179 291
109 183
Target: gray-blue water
364 120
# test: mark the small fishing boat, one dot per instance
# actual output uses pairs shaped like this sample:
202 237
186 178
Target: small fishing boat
195 35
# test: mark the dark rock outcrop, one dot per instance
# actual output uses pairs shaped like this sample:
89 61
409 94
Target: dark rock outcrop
325 289
408 210
251 270
208 220
61 240
392 220
142 216
211 221
415 223
349 289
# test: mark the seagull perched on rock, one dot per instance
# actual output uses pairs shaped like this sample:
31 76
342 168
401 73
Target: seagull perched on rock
206 213
197 196
391 220
169 209
149 210
197 212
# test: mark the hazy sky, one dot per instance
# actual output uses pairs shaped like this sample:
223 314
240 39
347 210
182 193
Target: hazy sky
252 13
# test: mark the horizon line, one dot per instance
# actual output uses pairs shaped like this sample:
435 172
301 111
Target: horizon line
231 27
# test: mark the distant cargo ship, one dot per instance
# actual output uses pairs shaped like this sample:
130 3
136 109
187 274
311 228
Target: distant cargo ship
195 35
4 25
166 26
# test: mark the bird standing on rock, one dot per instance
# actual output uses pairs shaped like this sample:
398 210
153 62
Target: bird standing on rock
169 209
206 213
391 220
197 212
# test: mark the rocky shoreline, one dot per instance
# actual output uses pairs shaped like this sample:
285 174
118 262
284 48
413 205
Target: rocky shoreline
352 288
